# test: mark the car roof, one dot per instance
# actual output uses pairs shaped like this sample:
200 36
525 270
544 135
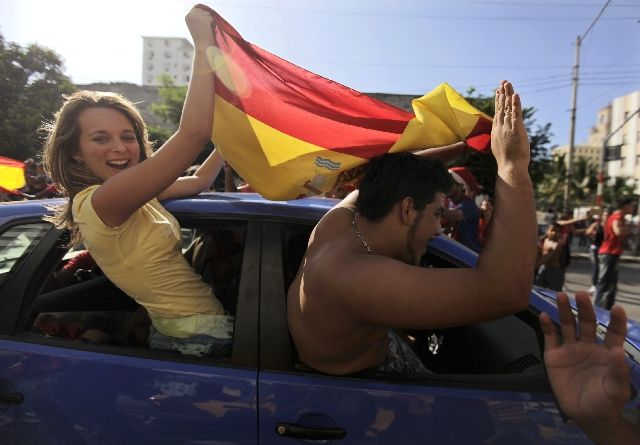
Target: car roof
207 203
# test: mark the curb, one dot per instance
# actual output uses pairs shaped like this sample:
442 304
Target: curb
583 256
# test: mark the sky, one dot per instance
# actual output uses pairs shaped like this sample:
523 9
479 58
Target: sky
374 46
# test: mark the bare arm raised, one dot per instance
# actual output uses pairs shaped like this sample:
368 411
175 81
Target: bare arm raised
381 290
122 194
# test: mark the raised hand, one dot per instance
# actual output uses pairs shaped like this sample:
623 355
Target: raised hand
200 20
509 140
590 380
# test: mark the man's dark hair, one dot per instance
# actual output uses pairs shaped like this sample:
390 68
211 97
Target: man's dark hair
394 176
625 201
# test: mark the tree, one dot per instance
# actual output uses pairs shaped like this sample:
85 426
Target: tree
32 85
169 108
484 167
172 100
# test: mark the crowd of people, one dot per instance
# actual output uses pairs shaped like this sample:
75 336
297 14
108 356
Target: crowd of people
99 158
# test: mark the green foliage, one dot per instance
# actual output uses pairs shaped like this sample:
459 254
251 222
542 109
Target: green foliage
172 100
484 166
550 191
32 85
614 190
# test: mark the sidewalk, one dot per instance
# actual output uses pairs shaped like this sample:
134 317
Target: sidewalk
579 252
625 258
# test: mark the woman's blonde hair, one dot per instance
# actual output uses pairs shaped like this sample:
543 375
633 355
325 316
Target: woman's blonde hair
62 142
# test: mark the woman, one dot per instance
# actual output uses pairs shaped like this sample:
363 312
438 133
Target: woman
99 155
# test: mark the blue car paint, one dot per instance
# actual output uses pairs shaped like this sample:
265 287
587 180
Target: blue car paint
380 412
83 396
76 396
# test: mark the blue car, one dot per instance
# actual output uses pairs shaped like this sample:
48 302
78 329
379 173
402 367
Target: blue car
75 367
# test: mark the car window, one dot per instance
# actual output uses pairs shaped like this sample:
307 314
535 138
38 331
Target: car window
79 304
509 345
16 243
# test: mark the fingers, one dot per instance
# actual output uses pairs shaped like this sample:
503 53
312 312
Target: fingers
617 329
500 99
567 321
586 317
508 104
551 340
616 382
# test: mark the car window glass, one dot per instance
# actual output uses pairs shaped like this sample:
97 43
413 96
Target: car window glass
16 243
78 303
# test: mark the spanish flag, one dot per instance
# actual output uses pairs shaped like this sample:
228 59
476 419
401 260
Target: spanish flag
289 132
11 174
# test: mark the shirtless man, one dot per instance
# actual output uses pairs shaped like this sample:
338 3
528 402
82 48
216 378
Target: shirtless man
551 271
359 280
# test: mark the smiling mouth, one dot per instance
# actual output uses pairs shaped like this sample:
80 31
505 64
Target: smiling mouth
118 165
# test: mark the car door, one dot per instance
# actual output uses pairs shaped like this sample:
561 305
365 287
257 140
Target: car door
59 391
480 393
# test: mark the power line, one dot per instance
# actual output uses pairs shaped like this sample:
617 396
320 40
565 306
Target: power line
595 20
414 15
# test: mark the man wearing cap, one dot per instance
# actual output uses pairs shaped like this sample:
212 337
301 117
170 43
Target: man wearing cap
465 215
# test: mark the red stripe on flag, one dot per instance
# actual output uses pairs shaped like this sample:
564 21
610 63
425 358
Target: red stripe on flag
307 106
9 162
480 137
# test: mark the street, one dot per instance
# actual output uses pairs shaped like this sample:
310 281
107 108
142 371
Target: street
578 277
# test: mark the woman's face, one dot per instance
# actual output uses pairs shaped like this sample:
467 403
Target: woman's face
107 143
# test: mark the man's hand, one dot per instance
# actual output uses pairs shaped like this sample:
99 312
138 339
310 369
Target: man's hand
590 380
509 140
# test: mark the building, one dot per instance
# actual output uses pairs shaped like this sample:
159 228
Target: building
170 55
623 160
592 148
623 155
142 96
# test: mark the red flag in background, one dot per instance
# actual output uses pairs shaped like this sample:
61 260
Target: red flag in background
289 132
11 173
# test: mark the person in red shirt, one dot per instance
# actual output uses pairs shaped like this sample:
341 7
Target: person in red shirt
615 233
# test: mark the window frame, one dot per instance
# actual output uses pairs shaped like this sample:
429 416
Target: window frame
27 282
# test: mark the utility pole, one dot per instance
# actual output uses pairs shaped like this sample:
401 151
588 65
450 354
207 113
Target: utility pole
572 129
574 101
600 189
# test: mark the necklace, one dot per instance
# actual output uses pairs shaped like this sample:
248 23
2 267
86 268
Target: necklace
362 240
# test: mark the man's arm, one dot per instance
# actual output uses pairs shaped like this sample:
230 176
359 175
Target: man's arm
445 153
387 292
620 228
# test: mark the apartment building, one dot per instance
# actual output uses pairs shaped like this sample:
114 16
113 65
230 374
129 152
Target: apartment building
624 159
170 55
623 156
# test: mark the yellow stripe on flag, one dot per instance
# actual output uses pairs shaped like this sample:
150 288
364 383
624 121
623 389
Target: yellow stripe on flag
272 162
11 177
443 117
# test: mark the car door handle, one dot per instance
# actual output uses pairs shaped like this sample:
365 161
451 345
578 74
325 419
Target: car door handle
8 394
307 433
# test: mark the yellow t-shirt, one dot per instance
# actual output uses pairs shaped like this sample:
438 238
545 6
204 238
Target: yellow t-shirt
143 257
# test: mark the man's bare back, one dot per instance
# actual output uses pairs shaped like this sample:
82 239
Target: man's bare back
359 280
